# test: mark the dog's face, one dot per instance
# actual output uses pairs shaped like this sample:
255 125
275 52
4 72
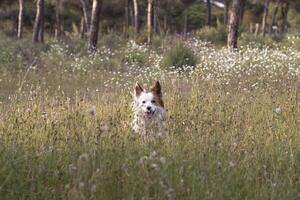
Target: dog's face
149 102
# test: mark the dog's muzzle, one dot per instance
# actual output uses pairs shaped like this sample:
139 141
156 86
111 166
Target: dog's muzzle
149 113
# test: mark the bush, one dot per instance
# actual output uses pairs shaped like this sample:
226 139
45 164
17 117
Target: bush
217 35
111 40
179 57
9 54
196 16
135 54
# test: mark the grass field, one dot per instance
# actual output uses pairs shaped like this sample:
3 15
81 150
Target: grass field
233 124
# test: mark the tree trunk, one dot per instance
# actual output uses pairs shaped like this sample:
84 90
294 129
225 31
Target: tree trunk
94 27
284 13
38 24
127 18
234 23
20 19
149 20
185 21
226 11
274 17
155 15
208 4
256 29
85 14
136 16
265 17
57 33
82 27
243 3
41 29
165 23
131 13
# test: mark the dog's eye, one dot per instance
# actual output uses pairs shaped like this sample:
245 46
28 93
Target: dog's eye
153 101
143 102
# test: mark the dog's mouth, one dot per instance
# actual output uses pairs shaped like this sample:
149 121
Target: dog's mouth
150 113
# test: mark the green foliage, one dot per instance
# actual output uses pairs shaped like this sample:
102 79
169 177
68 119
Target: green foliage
114 15
253 13
259 41
111 40
135 54
9 55
179 57
142 36
196 16
294 20
216 35
57 56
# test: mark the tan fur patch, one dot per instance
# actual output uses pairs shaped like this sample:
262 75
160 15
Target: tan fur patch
138 89
156 91
158 100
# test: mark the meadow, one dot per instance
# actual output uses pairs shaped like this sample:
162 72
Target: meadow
233 120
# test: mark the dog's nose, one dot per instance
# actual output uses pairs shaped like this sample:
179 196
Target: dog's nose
149 108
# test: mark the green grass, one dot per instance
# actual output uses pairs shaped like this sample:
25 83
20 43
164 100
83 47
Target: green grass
66 134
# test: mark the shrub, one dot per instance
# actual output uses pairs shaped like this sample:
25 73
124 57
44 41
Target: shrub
9 54
142 36
196 16
111 40
179 57
217 35
56 56
135 54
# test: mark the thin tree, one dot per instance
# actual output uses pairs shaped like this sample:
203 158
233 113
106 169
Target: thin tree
155 15
38 29
149 20
234 23
243 4
226 11
284 12
82 27
165 24
41 29
131 13
136 16
58 30
208 4
265 17
128 17
185 23
85 14
20 19
274 17
94 27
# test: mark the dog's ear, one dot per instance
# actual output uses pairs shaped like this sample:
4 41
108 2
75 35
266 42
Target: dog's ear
156 89
138 89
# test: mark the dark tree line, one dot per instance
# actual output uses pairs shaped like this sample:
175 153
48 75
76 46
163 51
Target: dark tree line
91 14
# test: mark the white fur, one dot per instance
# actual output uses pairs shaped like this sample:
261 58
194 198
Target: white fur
148 121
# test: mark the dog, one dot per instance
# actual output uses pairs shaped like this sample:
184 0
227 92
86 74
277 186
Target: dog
149 112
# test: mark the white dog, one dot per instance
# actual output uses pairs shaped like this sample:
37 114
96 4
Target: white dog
148 109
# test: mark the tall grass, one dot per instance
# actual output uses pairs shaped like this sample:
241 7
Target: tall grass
233 129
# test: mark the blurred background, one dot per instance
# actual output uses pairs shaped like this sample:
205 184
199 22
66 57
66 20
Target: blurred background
206 19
